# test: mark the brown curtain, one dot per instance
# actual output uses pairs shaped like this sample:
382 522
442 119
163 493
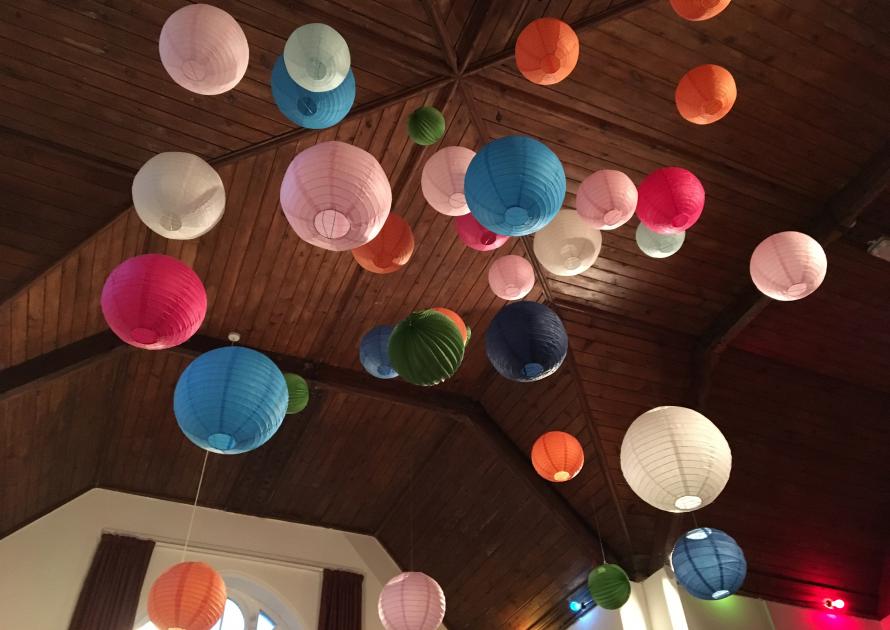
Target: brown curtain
110 593
341 601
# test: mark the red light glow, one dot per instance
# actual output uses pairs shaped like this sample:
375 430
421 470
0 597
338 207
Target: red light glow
833 604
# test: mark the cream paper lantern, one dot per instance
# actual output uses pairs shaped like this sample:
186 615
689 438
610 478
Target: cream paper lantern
675 459
317 57
568 245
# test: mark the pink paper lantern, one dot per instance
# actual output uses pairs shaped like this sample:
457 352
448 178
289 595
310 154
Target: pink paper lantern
475 236
788 266
204 49
153 301
511 277
442 181
335 196
411 601
671 200
606 199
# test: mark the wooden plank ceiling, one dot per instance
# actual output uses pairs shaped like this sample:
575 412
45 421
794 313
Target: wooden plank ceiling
86 102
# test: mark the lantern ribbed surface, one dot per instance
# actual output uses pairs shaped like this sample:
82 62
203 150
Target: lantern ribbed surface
568 245
511 277
547 51
411 601
788 266
373 352
709 563
426 125
390 250
426 348
187 596
297 392
671 200
557 456
526 341
230 400
675 459
515 185
442 180
697 10
657 245
457 320
178 195
476 236
606 199
153 301
312 110
317 57
203 49
705 94
335 196
609 586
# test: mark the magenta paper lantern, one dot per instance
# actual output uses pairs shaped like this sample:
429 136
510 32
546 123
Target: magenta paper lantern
153 301
335 196
411 601
475 236
606 199
670 200
511 277
204 49
788 266
442 181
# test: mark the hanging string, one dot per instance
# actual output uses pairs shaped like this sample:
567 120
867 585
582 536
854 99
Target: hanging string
694 520
596 523
188 533
411 512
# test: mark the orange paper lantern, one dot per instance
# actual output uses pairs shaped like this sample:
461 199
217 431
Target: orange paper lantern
705 94
697 10
557 456
458 321
547 51
187 596
390 250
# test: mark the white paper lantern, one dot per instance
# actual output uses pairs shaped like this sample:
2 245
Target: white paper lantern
317 57
568 245
442 181
606 199
788 266
675 459
178 195
657 245
411 601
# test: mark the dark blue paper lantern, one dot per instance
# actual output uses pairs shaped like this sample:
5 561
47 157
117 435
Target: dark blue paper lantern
708 563
373 352
230 400
313 110
515 186
526 341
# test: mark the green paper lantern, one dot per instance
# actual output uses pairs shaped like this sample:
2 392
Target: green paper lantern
609 586
426 125
426 348
297 393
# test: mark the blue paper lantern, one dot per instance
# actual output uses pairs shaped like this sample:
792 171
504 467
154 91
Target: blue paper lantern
373 352
313 110
526 341
708 563
515 186
230 400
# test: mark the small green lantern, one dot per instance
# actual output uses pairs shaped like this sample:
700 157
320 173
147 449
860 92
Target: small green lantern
426 348
609 586
426 125
297 393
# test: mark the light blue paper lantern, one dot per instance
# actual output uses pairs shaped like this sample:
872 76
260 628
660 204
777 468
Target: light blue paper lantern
526 341
515 186
312 110
657 245
230 400
373 352
708 563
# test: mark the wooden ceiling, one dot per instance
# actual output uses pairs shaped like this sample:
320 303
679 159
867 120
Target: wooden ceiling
800 389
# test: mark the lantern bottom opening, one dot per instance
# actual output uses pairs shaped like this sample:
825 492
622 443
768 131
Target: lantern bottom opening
221 441
145 336
796 290
516 216
531 370
720 594
689 502
562 475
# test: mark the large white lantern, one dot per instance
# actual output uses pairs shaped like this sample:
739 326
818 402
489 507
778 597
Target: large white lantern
411 601
675 459
568 245
317 57
788 266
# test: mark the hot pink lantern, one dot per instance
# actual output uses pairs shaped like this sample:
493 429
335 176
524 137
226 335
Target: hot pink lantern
670 200
606 199
442 181
474 235
411 601
788 266
204 49
335 196
153 301
511 277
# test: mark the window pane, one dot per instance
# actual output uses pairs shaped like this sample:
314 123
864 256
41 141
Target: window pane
232 619
264 623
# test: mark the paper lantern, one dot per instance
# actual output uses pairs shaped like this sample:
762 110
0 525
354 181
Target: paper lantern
442 180
606 199
788 266
187 596
515 185
708 563
457 320
671 200
373 352
313 110
526 341
317 57
153 301
557 456
297 392
178 195
568 245
475 236
609 586
657 245
411 601
426 348
230 400
390 250
511 277
675 459
335 196
547 51
697 10
203 49
705 94
426 125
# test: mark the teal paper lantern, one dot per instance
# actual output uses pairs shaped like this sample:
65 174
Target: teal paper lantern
426 348
709 563
297 392
657 245
312 110
609 586
426 125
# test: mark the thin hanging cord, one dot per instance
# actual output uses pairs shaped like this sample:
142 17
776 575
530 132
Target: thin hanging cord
596 522
188 533
411 512
694 520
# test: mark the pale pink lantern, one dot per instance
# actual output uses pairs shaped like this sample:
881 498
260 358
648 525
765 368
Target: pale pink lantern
476 236
335 196
606 199
411 601
153 301
670 200
511 277
788 266
204 49
442 181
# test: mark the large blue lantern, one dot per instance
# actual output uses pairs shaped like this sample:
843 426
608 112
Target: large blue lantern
526 341
373 352
708 563
313 110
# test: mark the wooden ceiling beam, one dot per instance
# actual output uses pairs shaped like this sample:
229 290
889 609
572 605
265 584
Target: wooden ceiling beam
438 23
